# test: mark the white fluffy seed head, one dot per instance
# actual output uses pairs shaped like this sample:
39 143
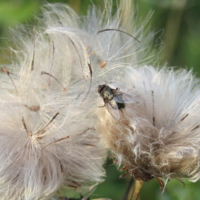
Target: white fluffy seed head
158 133
48 139
49 97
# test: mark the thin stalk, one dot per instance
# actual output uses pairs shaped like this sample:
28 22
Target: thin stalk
137 188
128 191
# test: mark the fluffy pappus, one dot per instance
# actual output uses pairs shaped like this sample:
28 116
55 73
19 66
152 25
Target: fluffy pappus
48 136
48 139
109 42
158 134
49 97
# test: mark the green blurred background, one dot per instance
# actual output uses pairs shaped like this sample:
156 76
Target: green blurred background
177 23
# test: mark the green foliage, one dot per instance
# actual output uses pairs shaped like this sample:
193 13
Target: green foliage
12 12
113 187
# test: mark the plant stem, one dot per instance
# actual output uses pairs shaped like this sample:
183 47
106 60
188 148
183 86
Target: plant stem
137 188
128 190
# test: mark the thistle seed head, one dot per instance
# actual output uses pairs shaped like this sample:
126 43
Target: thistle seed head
158 134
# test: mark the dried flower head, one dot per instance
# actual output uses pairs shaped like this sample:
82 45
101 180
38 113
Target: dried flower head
48 97
157 134
48 136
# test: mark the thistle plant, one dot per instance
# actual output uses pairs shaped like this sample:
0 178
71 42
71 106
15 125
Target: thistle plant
157 135
48 136
55 125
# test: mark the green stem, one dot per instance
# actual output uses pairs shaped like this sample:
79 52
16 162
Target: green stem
128 191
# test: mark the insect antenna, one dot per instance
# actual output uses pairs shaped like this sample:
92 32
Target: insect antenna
46 73
42 131
112 29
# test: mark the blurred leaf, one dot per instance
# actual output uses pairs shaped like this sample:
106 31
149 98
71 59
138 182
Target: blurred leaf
17 11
